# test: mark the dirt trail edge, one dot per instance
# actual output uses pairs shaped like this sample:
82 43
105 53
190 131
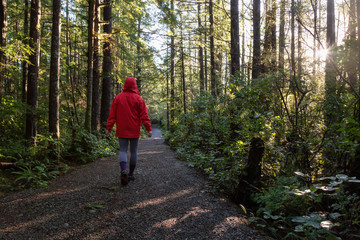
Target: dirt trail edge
167 200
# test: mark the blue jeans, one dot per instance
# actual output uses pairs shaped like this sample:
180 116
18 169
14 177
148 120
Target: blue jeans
124 143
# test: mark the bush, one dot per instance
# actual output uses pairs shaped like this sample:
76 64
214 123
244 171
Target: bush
292 210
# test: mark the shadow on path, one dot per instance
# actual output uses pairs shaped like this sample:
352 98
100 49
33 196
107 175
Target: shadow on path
168 200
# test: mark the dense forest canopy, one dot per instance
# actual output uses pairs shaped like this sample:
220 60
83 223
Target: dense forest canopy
262 96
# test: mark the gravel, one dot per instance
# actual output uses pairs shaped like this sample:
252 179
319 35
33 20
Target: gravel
167 200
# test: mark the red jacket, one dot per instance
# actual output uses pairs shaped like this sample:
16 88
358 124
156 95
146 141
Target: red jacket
128 111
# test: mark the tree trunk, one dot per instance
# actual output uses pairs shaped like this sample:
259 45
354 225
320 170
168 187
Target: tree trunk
3 29
107 83
351 64
183 72
55 71
205 57
167 93
315 9
266 53
138 53
235 40
212 50
299 61
95 111
256 40
282 36
358 43
292 45
25 42
243 64
201 57
34 58
172 72
90 55
273 35
330 72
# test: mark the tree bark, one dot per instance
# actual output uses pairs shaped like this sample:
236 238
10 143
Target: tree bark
273 35
3 29
138 53
34 58
235 39
55 71
107 83
292 44
358 43
95 111
282 36
201 57
172 71
90 55
183 68
212 50
299 60
256 40
25 42
350 63
330 73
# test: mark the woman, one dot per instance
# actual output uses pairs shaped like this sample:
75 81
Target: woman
128 110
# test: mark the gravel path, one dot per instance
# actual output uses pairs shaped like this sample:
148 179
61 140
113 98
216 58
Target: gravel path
168 200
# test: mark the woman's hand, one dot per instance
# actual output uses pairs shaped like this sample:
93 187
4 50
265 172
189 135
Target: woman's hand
107 132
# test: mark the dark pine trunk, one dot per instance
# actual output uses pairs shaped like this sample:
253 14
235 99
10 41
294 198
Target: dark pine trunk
201 57
212 50
55 71
95 111
3 29
25 41
256 39
33 77
235 40
107 83
90 55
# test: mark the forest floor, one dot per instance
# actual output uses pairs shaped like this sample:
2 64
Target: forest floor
167 200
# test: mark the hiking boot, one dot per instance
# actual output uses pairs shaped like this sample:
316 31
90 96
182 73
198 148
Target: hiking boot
131 177
124 178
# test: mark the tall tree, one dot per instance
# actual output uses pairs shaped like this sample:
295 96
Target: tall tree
314 5
139 56
33 77
273 35
182 65
107 83
282 36
330 72
235 40
292 45
3 29
299 49
90 55
212 49
358 44
256 40
25 42
95 111
55 70
201 56
172 68
350 64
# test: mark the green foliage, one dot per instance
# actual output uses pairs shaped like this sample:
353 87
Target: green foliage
290 209
83 147
34 173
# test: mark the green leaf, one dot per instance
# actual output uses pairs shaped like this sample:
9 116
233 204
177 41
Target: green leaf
94 207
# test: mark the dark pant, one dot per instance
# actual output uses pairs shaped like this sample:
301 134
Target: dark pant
124 143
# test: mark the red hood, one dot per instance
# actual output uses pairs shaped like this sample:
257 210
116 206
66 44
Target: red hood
130 85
